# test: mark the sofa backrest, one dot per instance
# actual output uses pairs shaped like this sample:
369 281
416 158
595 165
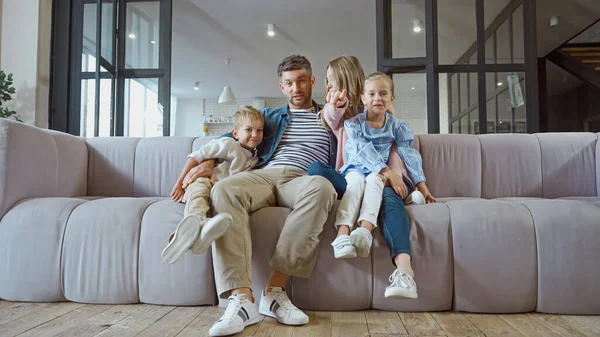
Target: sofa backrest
548 165
484 166
137 167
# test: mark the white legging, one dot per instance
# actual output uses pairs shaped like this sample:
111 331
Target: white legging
368 189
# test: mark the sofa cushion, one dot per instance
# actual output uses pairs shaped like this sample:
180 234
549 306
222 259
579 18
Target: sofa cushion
568 164
110 166
568 251
495 258
158 163
100 251
431 244
452 165
190 281
31 240
511 166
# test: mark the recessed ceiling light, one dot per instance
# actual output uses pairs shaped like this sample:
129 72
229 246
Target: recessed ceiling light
500 84
417 26
153 42
413 88
131 36
197 86
270 29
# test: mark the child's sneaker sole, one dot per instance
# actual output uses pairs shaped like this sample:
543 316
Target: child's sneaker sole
394 294
212 229
184 237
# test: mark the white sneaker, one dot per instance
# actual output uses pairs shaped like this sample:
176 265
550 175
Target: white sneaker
185 235
343 248
362 240
212 229
239 314
403 286
415 198
277 304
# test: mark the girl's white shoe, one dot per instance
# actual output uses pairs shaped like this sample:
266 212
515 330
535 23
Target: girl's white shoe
362 240
403 286
415 198
343 248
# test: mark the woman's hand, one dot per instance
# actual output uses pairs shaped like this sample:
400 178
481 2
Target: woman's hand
338 99
422 187
396 182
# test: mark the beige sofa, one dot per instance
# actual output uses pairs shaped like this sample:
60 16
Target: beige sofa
517 228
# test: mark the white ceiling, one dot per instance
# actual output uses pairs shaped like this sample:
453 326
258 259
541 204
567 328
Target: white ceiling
207 32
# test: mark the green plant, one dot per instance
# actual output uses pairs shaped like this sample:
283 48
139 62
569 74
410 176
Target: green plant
6 92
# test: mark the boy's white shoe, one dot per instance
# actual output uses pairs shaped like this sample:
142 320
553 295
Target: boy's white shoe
185 235
415 198
239 314
212 229
343 248
403 286
362 240
276 303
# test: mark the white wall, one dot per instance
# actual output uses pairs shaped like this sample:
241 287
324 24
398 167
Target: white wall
25 52
189 114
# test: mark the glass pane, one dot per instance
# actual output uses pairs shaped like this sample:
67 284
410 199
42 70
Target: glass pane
89 38
143 114
464 125
520 111
444 107
88 108
491 115
504 112
455 127
473 89
464 91
489 50
142 42
518 36
474 120
107 32
503 44
492 9
411 100
455 108
457 30
408 29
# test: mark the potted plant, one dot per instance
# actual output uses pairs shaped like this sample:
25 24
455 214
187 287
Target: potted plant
6 92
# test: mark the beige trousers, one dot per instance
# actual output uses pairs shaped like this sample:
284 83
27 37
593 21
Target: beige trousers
309 197
196 198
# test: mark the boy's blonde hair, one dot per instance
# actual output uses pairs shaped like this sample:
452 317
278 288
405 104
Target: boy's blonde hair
347 72
379 75
244 113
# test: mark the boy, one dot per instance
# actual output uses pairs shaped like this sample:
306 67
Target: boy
196 232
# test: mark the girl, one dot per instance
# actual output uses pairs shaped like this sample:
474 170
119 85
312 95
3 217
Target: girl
396 228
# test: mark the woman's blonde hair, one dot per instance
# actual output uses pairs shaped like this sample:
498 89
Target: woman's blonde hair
347 73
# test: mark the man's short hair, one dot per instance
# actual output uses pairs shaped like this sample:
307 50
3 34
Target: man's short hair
244 113
294 62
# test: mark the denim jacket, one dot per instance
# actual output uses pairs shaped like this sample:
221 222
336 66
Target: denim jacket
276 121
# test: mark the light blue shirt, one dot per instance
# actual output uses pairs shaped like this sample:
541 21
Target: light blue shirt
368 149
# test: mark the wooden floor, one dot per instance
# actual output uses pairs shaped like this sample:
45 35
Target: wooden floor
74 319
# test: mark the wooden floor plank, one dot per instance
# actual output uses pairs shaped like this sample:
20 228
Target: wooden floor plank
349 324
588 325
271 328
385 322
63 323
35 319
173 323
528 326
559 325
421 324
455 324
15 310
318 326
137 321
493 325
200 326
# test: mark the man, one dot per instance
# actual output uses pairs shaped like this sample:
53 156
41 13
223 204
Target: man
293 139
